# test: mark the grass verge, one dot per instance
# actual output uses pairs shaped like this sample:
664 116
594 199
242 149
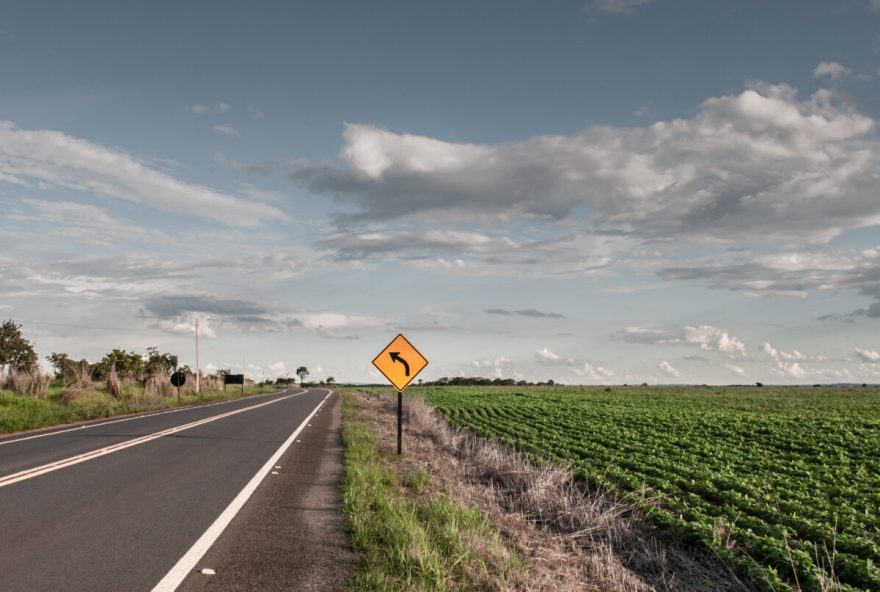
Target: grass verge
409 532
570 536
19 413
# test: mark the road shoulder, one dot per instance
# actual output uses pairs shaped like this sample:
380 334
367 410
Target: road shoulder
291 534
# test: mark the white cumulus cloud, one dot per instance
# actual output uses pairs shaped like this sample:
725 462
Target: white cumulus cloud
668 369
868 355
545 355
277 369
497 364
735 369
788 363
708 337
832 70
593 372
760 164
185 324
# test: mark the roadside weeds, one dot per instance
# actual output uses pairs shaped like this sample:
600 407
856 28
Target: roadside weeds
565 535
20 413
410 534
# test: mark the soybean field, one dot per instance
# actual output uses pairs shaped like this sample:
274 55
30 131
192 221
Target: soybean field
781 482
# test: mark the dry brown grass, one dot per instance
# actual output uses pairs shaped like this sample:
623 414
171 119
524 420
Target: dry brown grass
207 383
574 537
158 385
114 386
31 384
81 376
77 380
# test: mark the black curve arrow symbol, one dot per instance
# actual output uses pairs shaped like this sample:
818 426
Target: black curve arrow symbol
395 357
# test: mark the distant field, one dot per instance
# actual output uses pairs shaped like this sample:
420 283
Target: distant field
782 482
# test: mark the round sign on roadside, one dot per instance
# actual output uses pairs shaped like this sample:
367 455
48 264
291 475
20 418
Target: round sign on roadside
178 379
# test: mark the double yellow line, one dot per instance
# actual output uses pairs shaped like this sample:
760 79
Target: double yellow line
73 460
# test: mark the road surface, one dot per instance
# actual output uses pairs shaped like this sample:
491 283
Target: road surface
140 503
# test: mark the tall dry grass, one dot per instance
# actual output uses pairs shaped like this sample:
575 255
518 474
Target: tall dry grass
114 386
577 537
208 383
158 385
81 376
77 380
32 384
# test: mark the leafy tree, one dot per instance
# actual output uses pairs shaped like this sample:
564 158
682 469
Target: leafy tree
66 368
159 363
16 351
302 372
61 363
331 380
129 365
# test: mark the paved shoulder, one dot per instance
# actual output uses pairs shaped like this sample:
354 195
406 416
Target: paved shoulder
290 535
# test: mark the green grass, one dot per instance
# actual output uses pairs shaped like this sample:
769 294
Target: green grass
791 475
409 535
19 413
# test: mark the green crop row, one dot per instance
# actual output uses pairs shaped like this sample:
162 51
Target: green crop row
792 474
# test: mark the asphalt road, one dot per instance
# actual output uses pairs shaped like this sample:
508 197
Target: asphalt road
119 505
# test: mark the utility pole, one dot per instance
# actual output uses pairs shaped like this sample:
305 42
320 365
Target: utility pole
198 368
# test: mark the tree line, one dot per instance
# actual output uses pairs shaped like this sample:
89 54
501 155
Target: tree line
18 355
481 381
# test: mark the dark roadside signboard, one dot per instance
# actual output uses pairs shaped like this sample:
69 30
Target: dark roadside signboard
178 379
234 379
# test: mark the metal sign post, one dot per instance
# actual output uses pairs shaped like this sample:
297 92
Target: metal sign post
399 422
400 362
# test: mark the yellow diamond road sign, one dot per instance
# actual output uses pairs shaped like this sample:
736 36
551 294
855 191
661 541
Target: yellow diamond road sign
400 362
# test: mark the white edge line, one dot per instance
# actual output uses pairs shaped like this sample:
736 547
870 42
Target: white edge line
99 423
188 562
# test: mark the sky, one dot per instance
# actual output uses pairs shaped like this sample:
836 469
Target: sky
589 191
